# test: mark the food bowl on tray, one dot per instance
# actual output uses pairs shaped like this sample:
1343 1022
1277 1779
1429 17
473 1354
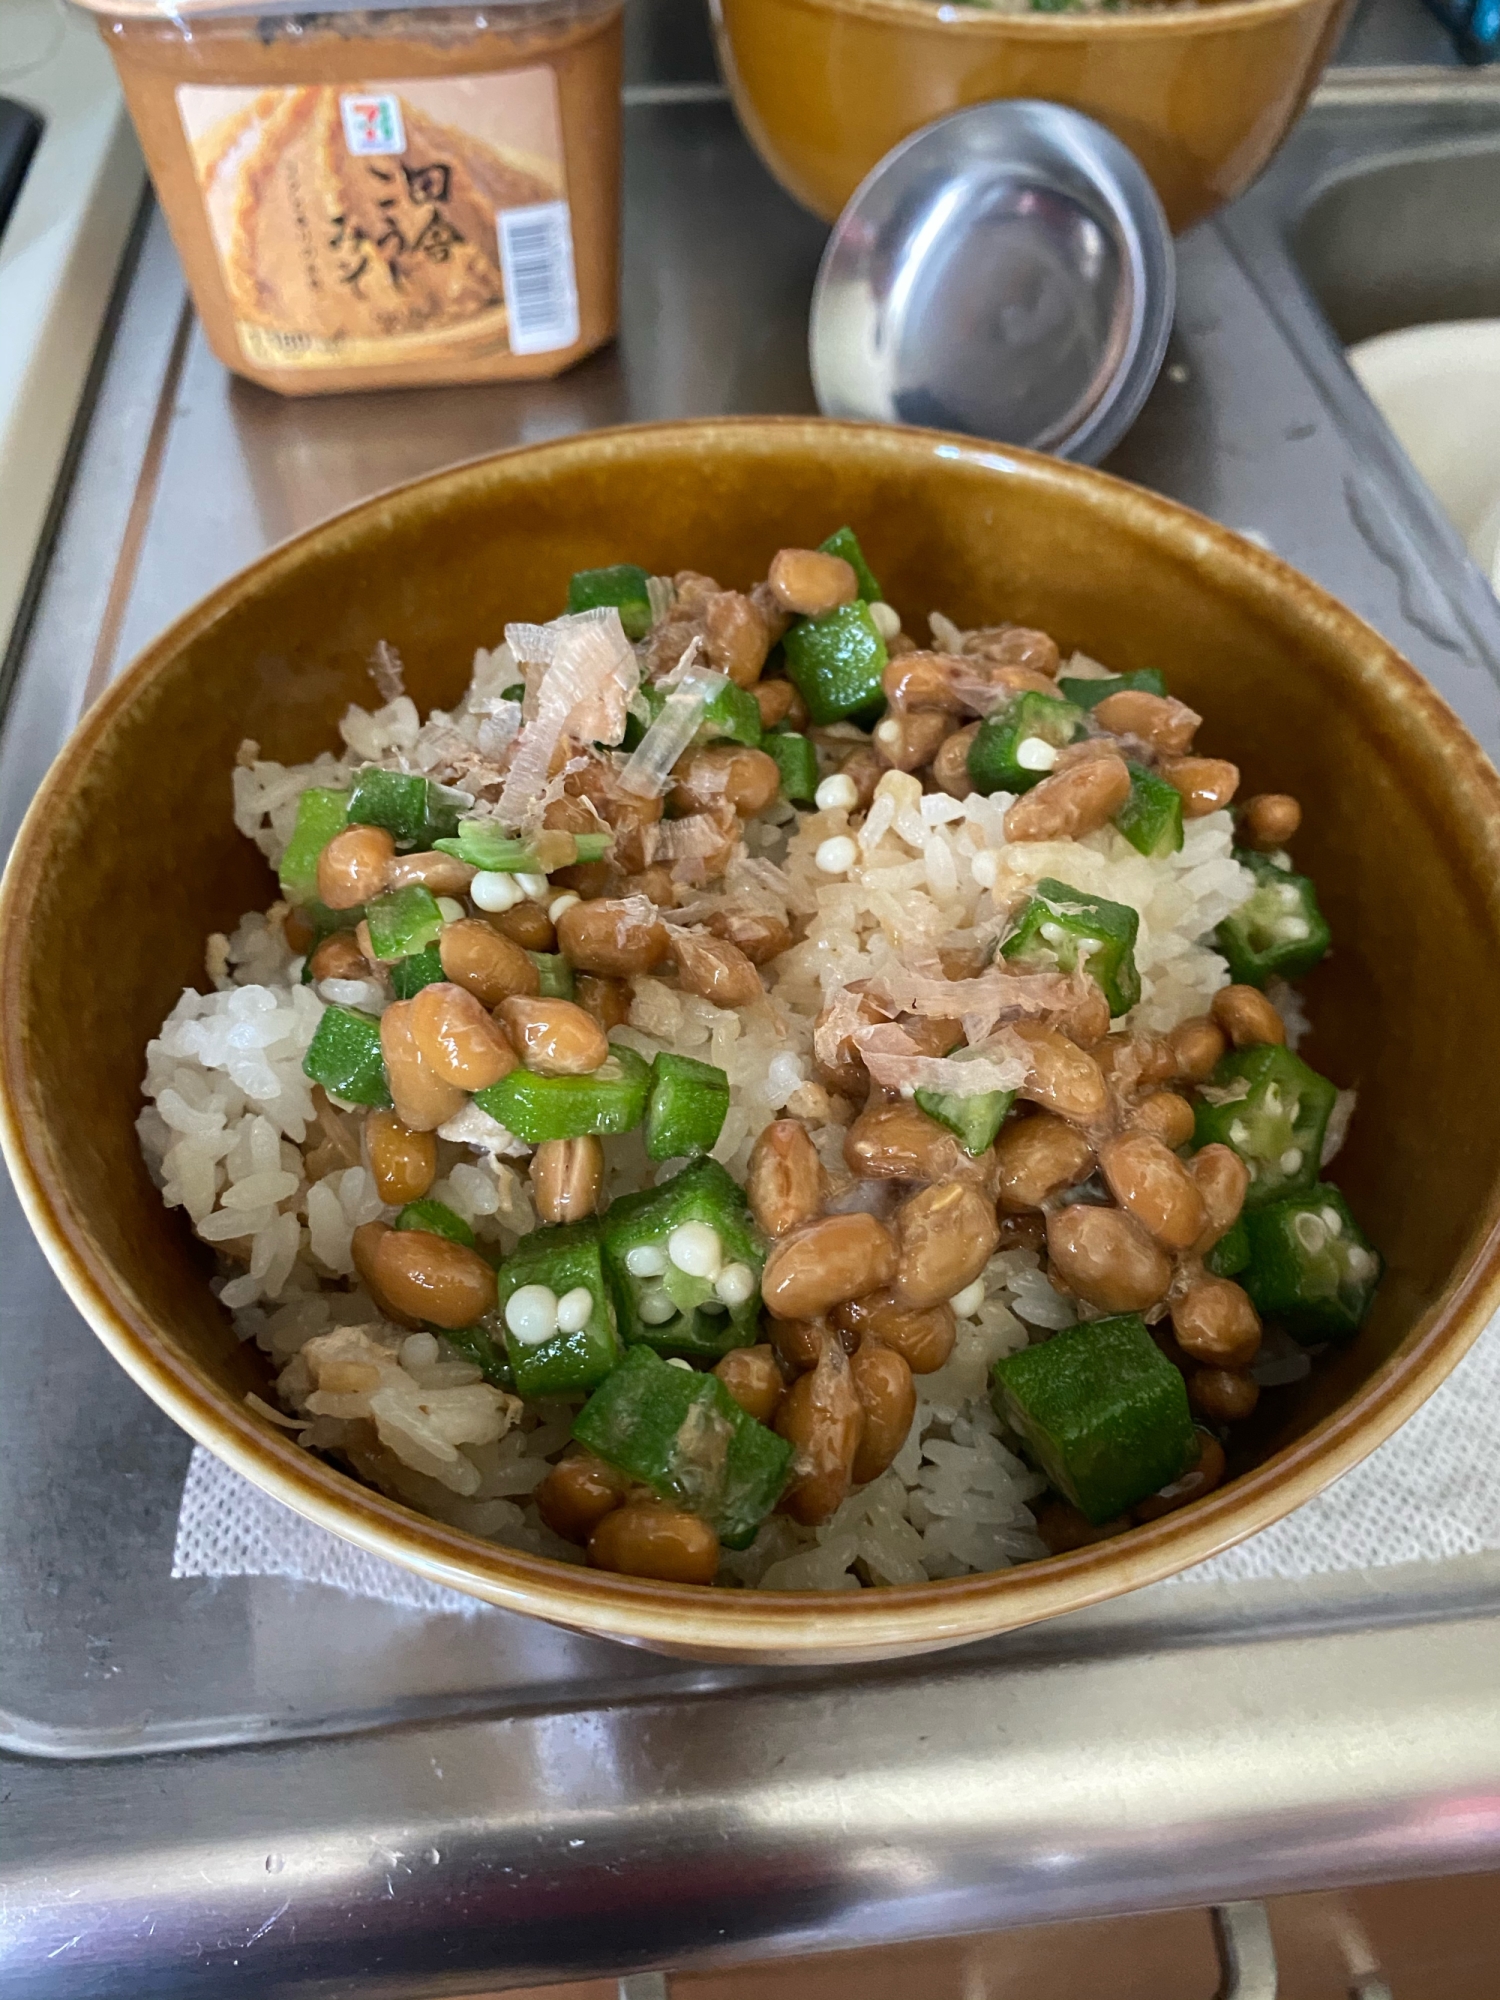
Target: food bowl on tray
130 857
1202 95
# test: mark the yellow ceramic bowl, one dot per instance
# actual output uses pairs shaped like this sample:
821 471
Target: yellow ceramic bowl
1202 95
129 857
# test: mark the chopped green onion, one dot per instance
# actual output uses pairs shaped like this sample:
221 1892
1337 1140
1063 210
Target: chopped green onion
836 663
403 922
344 1056
484 845
1101 1411
624 586
437 1219
797 761
1062 928
537 1108
687 1107
843 542
320 815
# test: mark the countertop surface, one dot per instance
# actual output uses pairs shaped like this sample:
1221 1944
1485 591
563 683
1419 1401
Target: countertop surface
257 1787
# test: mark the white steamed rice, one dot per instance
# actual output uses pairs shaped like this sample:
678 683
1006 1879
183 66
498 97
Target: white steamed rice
231 1136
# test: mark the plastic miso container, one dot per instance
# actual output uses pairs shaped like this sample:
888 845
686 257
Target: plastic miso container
384 199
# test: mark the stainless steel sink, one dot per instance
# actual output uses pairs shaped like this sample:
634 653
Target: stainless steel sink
251 1786
1412 236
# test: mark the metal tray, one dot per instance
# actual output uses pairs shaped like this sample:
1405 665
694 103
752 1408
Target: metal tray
259 1787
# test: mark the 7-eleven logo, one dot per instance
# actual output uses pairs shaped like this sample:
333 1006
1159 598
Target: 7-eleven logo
372 123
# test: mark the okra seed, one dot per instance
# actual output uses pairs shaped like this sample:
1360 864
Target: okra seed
1332 1221
534 886
1290 1160
531 1314
735 1284
888 733
837 794
966 1303
694 1247
646 1260
575 1309
453 911
495 892
656 1308
1035 753
885 618
1310 1233
1360 1263
418 1350
836 856
563 902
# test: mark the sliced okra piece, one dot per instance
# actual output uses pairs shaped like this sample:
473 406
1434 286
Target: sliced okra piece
685 1261
687 1107
555 973
974 1121
732 715
423 968
843 542
558 1312
1278 931
1017 746
536 1108
437 1219
484 1345
1062 928
414 810
1311 1266
623 585
836 663
403 922
1231 1253
797 761
1101 1411
321 813
1273 1110
344 1056
683 1435
1151 817
1088 691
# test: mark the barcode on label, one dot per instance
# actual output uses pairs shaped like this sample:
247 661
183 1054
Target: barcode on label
536 261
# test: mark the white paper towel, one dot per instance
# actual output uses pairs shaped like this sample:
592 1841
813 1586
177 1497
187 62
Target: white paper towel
1431 1491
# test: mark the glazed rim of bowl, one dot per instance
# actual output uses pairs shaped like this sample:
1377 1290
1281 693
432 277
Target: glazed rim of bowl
971 17
913 1617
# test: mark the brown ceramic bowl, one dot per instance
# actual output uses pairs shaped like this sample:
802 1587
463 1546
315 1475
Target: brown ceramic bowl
1202 95
129 857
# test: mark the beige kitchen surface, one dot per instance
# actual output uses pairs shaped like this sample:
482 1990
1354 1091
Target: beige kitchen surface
1435 1940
